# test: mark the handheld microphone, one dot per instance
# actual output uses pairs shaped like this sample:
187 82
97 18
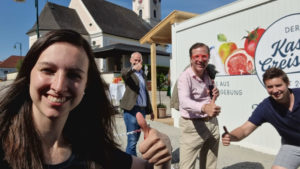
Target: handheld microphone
210 87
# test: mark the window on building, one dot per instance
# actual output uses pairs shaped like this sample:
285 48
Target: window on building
154 13
141 13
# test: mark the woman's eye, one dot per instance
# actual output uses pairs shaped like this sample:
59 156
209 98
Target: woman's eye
75 76
47 70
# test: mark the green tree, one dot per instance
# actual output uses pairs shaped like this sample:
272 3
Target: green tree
161 83
19 64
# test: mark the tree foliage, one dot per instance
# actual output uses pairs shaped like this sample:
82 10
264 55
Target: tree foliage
19 64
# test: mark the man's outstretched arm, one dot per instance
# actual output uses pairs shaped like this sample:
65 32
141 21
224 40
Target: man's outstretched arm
238 134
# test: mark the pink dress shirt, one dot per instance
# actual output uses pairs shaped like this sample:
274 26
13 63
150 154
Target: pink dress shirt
193 94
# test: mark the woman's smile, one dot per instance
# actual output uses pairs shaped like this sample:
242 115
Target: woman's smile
56 99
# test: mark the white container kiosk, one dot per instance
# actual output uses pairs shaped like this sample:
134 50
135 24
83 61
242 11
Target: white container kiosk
279 45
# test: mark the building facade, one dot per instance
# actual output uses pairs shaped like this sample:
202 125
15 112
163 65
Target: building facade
113 31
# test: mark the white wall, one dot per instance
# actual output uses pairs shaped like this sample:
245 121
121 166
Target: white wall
240 93
88 21
4 72
12 76
147 6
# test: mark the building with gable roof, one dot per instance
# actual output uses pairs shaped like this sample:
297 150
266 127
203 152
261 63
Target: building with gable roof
113 31
9 65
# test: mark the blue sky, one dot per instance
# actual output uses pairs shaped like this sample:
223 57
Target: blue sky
16 18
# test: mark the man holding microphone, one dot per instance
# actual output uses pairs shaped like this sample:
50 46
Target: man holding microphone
198 123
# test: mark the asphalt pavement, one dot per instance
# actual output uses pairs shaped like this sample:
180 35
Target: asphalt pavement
231 157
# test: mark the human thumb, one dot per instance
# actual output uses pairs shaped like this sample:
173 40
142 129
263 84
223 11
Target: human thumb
143 124
225 131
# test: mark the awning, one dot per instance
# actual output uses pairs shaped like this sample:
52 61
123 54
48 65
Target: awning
121 49
161 33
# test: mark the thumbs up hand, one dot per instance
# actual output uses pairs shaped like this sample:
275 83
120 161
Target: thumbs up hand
226 137
143 124
156 147
211 109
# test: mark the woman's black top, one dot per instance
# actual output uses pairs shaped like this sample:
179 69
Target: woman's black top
120 160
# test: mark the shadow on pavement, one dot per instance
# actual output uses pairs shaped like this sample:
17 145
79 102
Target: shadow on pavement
241 165
245 165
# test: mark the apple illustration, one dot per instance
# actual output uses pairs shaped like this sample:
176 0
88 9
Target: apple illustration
226 49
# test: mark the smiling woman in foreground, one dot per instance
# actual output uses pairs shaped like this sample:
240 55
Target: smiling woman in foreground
56 113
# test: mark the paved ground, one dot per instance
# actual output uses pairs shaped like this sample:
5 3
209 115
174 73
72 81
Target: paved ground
232 157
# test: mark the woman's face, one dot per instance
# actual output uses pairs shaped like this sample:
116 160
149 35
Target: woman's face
58 80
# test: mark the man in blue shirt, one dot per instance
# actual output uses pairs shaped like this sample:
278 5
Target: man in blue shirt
135 99
282 110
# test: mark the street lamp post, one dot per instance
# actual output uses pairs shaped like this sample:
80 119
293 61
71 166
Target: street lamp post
37 16
20 47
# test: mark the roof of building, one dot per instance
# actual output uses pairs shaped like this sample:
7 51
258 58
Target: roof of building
116 20
120 49
55 17
111 18
11 62
162 32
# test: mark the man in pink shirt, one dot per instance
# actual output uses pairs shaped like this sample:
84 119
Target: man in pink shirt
198 123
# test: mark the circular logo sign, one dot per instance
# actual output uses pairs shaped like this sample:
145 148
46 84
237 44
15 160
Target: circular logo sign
279 47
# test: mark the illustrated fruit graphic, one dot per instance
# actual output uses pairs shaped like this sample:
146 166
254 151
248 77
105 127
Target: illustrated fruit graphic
252 39
239 63
226 49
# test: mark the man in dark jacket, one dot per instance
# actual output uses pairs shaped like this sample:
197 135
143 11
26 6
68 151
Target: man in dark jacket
135 99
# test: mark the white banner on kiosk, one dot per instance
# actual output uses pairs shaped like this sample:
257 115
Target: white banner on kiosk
282 50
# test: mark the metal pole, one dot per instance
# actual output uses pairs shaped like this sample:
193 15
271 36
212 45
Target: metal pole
20 47
37 18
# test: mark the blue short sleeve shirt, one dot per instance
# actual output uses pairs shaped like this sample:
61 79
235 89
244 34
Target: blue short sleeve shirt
287 123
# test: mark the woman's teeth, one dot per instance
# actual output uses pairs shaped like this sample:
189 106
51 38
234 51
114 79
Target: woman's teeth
56 99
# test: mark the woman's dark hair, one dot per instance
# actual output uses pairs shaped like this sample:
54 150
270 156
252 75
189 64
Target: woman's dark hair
89 127
274 72
198 45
